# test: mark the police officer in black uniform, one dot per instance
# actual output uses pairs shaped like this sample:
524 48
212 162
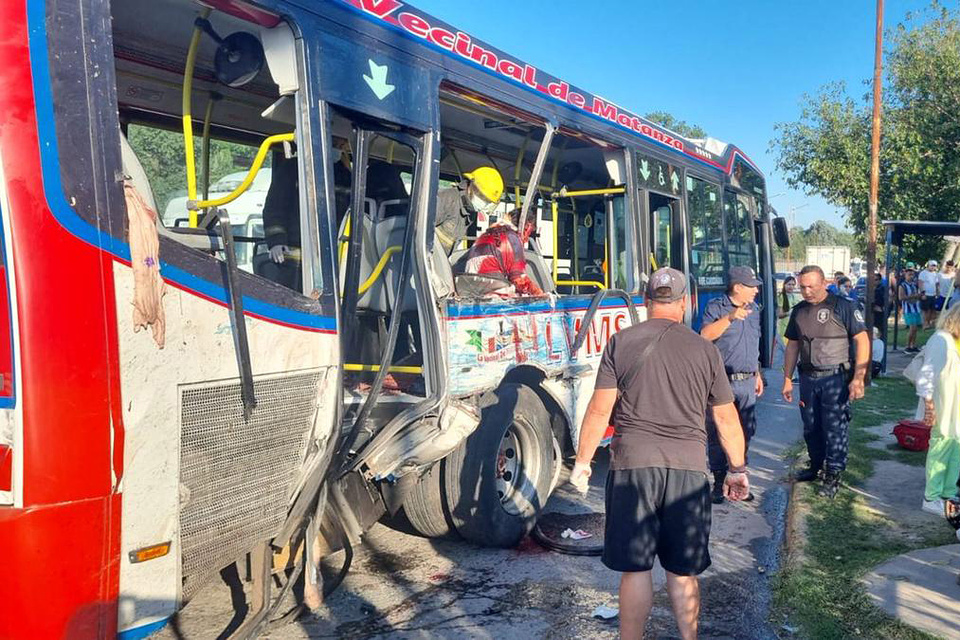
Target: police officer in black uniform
732 323
825 332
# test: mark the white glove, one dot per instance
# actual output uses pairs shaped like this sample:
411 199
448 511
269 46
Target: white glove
278 252
580 477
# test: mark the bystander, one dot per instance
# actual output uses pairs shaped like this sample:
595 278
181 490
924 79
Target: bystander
657 496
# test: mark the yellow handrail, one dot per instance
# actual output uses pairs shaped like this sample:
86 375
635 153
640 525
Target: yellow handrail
188 117
379 268
344 242
376 367
581 283
254 169
653 261
592 192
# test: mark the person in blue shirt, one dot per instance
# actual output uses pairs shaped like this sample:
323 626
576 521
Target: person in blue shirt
732 323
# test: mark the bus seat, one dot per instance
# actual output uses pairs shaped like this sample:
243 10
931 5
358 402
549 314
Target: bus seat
458 261
538 271
373 299
391 232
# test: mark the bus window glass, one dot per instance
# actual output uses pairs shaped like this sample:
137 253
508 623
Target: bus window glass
265 213
703 203
618 248
496 145
584 240
738 224
381 236
662 217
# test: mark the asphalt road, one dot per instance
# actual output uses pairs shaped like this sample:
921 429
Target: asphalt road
404 586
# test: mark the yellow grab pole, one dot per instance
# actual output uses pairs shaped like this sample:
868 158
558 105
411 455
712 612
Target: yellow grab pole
594 192
187 115
254 169
375 367
379 268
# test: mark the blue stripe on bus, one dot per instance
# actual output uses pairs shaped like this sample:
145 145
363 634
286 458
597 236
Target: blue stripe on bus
73 223
143 631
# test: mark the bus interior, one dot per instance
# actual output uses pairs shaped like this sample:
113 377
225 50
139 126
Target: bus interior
580 245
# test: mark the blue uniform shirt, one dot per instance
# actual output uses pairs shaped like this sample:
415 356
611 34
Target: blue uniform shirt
740 343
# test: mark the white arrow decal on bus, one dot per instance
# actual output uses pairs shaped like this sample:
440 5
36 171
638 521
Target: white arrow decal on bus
377 80
644 169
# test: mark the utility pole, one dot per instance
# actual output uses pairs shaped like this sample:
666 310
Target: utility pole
874 178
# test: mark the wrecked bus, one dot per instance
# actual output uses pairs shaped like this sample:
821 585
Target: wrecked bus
275 410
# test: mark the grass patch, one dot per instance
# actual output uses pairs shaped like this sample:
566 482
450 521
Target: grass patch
845 538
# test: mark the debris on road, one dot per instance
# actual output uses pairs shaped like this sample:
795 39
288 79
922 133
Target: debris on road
605 613
579 534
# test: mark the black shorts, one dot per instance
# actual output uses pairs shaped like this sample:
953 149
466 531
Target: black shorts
657 513
928 303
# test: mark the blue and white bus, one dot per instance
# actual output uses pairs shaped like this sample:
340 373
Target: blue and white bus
296 390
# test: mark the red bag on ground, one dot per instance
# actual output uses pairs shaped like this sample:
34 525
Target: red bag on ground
912 434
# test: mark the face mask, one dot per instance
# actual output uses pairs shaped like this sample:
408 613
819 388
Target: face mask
479 204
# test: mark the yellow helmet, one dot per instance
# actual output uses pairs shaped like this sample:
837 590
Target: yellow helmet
488 181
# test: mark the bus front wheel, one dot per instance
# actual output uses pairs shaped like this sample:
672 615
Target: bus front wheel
499 478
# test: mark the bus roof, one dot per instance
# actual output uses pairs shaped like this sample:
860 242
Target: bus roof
405 19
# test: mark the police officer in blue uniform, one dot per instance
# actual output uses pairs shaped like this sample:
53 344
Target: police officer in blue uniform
826 334
732 323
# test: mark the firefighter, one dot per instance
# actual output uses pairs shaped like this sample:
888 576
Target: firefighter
824 331
458 206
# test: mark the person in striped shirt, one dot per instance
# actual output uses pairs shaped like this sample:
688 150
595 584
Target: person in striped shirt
499 253
910 303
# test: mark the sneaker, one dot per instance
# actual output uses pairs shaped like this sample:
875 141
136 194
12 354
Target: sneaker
912 350
806 475
936 507
831 484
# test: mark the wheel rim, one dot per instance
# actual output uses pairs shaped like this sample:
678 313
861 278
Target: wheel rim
517 469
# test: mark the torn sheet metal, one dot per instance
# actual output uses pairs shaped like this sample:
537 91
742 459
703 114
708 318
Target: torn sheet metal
487 338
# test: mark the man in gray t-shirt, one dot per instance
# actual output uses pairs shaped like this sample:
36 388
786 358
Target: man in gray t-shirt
657 496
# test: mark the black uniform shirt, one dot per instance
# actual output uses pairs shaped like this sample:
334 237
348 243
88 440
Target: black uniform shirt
819 326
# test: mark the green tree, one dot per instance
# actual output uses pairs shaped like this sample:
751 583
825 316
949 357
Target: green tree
664 119
826 151
162 154
819 233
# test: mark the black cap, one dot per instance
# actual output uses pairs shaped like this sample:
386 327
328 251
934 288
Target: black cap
666 278
744 276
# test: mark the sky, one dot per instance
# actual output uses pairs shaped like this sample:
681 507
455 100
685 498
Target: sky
734 68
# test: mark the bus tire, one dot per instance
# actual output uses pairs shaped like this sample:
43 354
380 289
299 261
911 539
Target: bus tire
425 507
498 479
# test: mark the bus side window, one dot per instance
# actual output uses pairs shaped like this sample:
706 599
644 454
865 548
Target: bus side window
738 225
703 203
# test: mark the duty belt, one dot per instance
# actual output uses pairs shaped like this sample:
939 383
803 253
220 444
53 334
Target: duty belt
737 377
823 373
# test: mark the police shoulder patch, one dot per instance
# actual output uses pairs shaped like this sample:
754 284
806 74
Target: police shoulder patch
858 315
